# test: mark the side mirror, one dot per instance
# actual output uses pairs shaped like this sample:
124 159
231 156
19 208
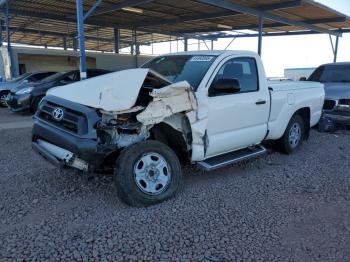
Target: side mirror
303 78
225 86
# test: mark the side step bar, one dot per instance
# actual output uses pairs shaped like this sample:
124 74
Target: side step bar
232 157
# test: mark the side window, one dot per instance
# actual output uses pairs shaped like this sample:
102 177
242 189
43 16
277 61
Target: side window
243 69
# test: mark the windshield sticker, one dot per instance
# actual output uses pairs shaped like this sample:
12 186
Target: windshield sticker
202 58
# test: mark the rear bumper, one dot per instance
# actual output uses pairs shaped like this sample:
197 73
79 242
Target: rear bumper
19 103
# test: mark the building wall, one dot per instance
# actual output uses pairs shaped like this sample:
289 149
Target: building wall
40 58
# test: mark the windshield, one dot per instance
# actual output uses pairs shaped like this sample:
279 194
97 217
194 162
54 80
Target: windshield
333 73
191 68
19 78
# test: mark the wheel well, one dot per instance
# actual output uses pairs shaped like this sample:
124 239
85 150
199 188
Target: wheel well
305 115
164 133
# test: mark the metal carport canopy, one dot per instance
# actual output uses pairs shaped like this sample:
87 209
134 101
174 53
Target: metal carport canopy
107 25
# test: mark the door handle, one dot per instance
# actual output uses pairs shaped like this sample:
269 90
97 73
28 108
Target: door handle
260 102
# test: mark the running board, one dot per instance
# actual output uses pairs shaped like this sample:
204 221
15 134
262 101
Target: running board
232 157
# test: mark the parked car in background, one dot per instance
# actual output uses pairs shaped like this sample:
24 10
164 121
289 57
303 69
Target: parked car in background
336 80
19 82
213 108
28 98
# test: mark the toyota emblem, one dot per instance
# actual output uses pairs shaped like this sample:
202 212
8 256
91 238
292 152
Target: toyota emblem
58 113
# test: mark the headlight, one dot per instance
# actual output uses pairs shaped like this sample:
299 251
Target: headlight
23 91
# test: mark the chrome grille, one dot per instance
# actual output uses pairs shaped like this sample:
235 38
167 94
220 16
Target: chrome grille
72 121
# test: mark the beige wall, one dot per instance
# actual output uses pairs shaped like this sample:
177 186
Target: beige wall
35 63
58 60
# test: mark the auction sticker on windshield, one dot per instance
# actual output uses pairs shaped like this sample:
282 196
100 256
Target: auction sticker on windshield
205 58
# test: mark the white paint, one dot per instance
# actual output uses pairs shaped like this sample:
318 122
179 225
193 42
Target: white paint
111 92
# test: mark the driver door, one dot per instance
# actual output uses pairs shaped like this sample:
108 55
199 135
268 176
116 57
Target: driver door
237 120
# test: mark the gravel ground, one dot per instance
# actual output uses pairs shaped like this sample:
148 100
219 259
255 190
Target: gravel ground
7 116
277 208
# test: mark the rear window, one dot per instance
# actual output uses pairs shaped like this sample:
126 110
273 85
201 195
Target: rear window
331 73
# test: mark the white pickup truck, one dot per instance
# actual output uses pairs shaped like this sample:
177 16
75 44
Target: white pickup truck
212 108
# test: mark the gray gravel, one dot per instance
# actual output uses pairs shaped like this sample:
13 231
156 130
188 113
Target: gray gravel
277 208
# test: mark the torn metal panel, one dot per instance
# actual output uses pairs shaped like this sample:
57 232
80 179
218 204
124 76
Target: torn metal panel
167 101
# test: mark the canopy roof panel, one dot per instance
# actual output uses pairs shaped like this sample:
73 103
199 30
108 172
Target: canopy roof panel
53 22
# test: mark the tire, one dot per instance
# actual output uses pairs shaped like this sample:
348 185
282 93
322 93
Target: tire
35 104
147 173
3 96
293 136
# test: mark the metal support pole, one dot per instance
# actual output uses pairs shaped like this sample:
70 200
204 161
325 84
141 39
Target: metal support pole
186 44
0 33
336 49
137 49
8 38
212 44
65 43
75 46
261 26
81 36
116 40
133 42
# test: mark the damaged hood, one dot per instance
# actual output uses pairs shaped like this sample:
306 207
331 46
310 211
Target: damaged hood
116 91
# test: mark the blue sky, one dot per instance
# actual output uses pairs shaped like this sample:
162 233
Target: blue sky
287 51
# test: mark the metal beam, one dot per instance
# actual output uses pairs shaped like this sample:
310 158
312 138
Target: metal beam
217 36
90 21
81 37
251 11
200 17
185 44
92 9
336 49
124 4
261 26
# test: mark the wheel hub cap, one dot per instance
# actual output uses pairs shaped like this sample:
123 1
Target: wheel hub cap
294 135
152 173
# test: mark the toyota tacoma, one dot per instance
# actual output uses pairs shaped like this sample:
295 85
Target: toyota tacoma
210 108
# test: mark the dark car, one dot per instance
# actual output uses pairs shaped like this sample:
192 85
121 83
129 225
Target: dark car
28 98
19 82
336 80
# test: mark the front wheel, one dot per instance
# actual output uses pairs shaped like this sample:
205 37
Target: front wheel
3 96
293 136
147 173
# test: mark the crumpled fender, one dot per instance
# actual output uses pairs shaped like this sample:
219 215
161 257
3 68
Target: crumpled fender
167 101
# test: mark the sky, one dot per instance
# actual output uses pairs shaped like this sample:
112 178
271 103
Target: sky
283 52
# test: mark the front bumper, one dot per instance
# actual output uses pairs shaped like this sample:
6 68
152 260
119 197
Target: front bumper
86 149
341 117
19 103
75 132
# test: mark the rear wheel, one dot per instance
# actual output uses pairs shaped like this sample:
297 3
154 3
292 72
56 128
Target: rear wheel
293 136
147 173
3 96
